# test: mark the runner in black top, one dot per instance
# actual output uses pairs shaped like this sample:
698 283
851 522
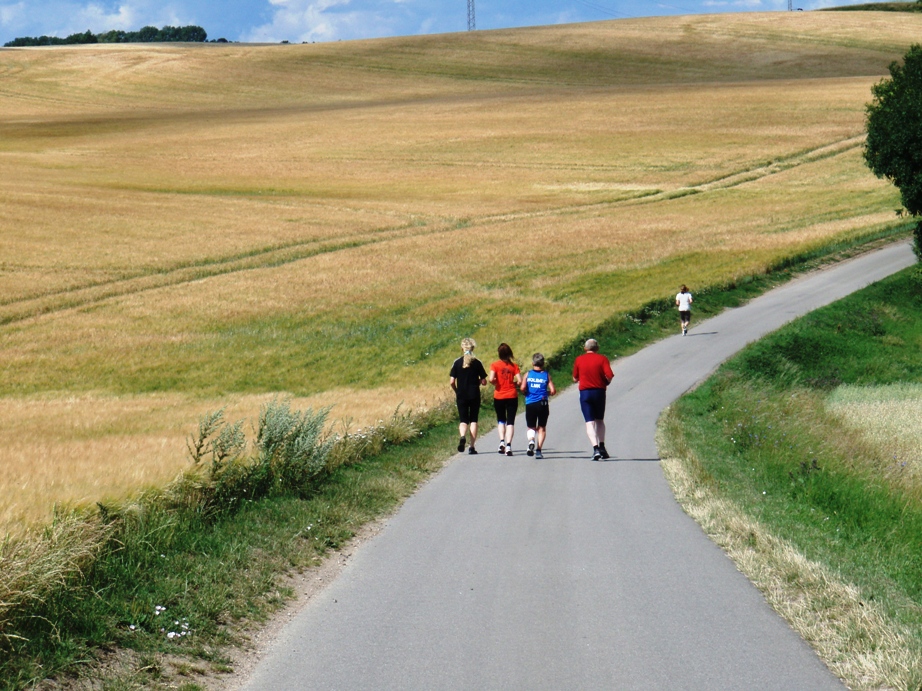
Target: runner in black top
467 376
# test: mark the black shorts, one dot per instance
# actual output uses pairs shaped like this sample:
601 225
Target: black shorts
506 409
685 315
469 410
536 414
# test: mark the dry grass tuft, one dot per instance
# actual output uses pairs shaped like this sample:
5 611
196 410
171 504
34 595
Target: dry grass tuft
32 568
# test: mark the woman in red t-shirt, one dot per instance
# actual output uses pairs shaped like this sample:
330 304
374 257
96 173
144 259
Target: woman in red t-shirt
504 375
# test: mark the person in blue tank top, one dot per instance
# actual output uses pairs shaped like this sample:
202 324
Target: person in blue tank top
537 386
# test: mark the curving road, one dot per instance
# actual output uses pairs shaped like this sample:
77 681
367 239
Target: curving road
513 573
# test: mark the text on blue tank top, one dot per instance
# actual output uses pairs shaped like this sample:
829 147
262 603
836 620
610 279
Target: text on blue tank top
536 387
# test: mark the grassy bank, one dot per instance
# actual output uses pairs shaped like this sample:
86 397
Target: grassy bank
203 559
800 457
150 592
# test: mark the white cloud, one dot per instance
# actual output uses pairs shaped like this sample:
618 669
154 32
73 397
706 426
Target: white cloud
822 4
124 17
131 15
751 5
567 17
325 20
428 26
12 14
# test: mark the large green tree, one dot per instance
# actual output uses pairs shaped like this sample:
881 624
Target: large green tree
894 145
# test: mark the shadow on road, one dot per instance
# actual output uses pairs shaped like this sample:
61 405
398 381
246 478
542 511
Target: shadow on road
583 455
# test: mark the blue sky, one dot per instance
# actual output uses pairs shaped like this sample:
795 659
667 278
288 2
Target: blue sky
332 20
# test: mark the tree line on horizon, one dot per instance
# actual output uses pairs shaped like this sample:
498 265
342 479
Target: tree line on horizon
148 34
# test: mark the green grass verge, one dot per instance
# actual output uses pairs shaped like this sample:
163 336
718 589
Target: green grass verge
760 437
174 568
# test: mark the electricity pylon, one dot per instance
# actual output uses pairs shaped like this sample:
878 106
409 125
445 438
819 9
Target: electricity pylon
471 24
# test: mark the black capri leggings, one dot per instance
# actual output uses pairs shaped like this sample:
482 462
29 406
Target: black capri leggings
469 410
505 410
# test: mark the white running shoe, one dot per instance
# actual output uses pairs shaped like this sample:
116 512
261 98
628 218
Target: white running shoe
531 448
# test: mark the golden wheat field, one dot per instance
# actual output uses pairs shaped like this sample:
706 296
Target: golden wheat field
190 227
887 419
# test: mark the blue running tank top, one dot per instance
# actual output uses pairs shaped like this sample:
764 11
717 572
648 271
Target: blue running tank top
536 387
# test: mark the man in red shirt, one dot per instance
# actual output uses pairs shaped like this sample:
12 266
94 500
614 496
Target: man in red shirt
593 373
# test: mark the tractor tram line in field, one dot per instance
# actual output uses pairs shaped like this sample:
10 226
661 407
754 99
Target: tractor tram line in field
782 164
19 310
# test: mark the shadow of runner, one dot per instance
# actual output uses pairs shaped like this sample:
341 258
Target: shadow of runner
627 460
561 454
584 455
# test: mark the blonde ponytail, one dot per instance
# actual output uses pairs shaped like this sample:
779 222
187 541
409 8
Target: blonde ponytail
468 345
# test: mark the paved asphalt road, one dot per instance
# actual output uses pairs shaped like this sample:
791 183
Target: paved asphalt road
513 573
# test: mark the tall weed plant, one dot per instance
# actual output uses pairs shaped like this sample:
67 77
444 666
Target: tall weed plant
288 454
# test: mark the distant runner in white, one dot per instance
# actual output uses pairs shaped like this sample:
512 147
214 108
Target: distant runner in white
683 301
